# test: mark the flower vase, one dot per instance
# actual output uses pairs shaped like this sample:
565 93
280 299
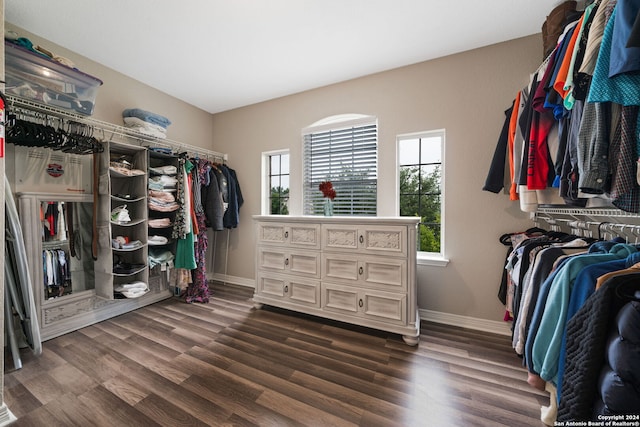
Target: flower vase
328 207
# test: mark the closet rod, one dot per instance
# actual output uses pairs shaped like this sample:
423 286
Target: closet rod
112 129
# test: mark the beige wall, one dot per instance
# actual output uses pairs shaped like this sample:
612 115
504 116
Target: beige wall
465 94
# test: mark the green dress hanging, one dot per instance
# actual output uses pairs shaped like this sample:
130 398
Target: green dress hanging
185 251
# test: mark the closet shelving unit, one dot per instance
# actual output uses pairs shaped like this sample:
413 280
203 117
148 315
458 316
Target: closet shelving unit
85 307
158 275
129 264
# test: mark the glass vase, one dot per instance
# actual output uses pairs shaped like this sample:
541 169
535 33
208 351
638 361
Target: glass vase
328 207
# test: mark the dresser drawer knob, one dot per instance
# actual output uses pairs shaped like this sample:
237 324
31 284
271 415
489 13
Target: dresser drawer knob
361 238
360 270
286 234
286 261
286 289
360 302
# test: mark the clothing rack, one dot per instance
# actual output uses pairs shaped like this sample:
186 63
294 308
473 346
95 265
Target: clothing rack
108 131
602 223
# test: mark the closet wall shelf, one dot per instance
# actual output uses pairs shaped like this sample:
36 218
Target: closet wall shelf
110 130
133 249
116 174
590 222
594 212
122 199
129 223
55 244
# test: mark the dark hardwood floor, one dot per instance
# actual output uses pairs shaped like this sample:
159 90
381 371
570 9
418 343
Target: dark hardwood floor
225 363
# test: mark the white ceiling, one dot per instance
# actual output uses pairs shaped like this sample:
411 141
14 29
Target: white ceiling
223 54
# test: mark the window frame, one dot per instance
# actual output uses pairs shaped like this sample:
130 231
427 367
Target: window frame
427 258
265 207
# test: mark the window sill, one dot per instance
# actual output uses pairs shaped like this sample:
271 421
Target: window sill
432 260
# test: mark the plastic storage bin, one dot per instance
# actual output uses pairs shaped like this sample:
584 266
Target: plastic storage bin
35 77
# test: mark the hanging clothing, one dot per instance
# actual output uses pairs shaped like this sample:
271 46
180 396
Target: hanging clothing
587 383
588 151
573 82
594 39
495 178
198 290
547 343
56 273
235 200
185 254
568 333
624 58
623 89
180 224
625 191
212 200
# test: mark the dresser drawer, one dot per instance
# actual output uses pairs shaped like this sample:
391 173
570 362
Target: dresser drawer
277 259
304 236
387 274
374 240
368 304
298 290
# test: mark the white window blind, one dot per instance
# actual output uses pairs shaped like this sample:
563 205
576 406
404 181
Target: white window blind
348 157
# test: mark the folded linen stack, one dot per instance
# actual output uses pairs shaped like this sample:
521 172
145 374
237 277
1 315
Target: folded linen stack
162 183
160 256
132 290
156 240
161 187
146 122
160 205
159 222
163 170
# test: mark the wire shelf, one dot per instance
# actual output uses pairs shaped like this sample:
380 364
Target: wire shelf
590 222
593 212
111 130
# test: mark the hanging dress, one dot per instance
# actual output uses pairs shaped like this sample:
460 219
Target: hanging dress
198 290
185 257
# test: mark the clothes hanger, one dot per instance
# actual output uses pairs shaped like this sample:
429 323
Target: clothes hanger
629 291
601 229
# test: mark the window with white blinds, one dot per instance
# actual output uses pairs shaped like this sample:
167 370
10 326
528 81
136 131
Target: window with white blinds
345 153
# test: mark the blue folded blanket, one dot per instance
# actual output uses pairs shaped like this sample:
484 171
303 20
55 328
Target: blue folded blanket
147 116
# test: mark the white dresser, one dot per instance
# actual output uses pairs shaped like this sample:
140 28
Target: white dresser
359 270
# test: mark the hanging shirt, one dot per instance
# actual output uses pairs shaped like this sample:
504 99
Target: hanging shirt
578 56
623 58
623 89
559 85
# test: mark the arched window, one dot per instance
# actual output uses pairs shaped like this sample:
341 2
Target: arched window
344 150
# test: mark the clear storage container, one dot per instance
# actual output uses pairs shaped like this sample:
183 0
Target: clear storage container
35 77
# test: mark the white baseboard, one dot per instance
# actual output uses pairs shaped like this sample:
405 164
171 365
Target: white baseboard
493 326
6 417
233 280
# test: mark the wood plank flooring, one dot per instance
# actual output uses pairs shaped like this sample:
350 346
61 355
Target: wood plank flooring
227 364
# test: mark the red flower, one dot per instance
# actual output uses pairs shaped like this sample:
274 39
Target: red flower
327 189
